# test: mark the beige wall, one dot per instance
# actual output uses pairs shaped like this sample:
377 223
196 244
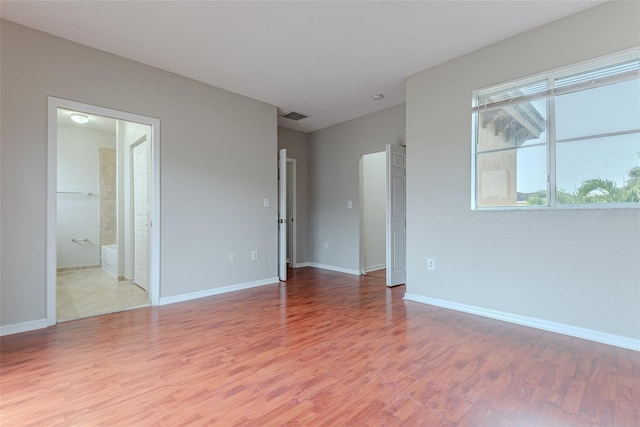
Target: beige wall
217 153
297 145
579 268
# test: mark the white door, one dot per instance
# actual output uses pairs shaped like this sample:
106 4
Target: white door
282 214
141 155
396 215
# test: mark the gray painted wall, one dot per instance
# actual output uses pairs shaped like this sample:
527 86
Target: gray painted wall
334 158
575 267
218 157
297 145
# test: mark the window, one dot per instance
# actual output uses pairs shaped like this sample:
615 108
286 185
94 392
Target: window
570 137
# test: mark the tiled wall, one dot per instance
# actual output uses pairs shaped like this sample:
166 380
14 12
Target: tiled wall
108 225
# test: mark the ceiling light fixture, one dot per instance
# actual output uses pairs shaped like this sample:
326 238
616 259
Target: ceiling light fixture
80 118
377 96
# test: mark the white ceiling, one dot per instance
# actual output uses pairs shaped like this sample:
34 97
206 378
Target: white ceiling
321 58
101 123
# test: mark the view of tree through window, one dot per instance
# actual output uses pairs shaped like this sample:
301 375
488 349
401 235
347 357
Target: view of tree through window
570 138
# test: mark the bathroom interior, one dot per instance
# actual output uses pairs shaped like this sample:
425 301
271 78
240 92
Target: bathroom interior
102 215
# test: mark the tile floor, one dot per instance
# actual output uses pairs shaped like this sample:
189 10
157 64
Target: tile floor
86 293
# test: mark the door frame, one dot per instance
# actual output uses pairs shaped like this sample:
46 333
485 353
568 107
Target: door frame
362 212
53 103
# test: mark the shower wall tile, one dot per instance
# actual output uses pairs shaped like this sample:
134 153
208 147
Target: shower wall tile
108 225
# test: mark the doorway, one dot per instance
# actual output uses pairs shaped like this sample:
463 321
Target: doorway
373 222
286 214
383 215
102 200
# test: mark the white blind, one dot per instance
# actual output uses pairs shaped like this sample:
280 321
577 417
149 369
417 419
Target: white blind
519 92
600 74
492 98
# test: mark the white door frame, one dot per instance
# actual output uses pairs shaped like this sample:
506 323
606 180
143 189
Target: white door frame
293 220
53 104
363 240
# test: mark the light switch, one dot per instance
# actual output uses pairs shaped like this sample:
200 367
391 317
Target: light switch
349 204
266 203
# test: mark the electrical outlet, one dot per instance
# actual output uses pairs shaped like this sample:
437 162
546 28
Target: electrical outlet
254 255
349 204
266 203
232 257
325 245
431 264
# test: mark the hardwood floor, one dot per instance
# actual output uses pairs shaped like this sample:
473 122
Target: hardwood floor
324 349
381 274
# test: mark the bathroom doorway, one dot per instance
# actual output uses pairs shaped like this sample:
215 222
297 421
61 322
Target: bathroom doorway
100 248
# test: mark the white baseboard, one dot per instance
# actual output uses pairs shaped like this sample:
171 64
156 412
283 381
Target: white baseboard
374 268
334 268
217 291
23 327
302 264
561 328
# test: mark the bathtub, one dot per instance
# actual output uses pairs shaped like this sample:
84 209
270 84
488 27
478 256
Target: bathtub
110 259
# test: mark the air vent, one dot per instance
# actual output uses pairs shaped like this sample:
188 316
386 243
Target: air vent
294 116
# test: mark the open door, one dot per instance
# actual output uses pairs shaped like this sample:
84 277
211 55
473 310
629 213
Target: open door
141 189
396 215
282 214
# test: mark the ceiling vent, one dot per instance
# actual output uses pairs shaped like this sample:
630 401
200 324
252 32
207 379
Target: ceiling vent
294 116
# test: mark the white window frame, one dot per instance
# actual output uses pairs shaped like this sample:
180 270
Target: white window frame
549 94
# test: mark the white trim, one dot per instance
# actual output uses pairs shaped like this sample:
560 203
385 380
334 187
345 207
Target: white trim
302 264
53 104
545 325
17 328
334 268
218 291
52 212
361 238
374 268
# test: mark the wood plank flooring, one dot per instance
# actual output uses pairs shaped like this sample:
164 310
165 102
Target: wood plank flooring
324 349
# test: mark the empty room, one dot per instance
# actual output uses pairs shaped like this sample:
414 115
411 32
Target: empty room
320 213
